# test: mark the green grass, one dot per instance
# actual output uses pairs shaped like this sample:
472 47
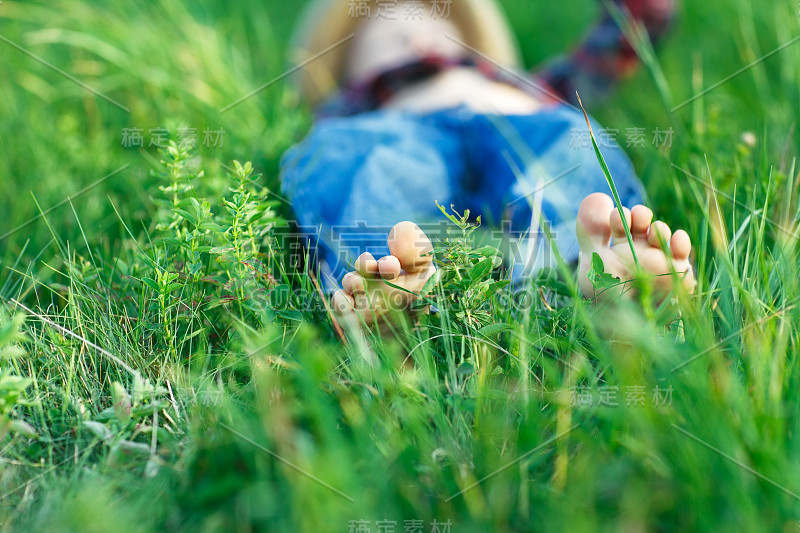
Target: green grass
178 370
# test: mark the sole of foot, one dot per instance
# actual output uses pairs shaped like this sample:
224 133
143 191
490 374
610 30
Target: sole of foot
367 298
599 222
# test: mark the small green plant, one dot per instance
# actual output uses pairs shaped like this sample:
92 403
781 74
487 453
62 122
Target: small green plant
247 221
463 285
12 386
211 260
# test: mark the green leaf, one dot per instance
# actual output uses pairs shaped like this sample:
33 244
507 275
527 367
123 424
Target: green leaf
294 316
487 251
186 215
173 241
497 285
151 283
494 329
431 283
465 369
482 269
208 225
600 279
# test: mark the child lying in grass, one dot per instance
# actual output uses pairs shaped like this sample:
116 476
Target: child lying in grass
422 102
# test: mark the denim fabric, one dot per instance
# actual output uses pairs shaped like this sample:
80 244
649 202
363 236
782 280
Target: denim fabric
352 178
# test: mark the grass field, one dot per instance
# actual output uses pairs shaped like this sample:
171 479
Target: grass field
168 363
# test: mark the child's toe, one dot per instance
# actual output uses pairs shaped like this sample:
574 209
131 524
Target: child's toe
680 245
659 232
641 217
617 228
366 264
353 283
389 267
409 244
342 302
593 220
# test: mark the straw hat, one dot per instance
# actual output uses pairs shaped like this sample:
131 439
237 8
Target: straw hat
320 44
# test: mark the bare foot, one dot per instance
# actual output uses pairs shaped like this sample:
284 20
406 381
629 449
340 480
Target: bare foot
599 221
367 296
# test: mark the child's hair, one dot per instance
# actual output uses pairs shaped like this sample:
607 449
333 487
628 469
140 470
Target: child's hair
327 23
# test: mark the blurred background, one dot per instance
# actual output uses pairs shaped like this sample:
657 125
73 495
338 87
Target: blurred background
172 65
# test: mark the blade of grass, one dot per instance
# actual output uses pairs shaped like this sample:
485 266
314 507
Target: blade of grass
610 180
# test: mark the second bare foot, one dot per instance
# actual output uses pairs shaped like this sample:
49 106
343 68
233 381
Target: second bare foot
599 222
